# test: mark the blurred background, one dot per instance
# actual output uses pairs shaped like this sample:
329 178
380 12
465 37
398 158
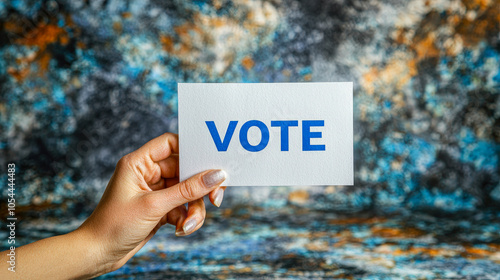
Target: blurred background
83 83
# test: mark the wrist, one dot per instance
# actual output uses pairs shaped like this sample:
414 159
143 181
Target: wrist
93 252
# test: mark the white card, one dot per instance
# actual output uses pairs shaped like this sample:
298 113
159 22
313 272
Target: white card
269 134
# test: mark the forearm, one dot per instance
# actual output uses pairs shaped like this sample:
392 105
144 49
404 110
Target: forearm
69 256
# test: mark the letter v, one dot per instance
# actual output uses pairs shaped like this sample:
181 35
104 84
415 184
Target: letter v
221 145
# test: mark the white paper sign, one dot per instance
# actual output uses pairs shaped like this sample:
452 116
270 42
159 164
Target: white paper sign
272 134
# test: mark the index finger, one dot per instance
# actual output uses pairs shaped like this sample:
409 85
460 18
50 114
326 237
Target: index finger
160 147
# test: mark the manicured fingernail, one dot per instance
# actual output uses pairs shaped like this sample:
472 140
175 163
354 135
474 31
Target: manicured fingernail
179 233
214 177
189 226
219 195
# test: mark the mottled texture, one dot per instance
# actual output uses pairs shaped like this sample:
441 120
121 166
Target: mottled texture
83 83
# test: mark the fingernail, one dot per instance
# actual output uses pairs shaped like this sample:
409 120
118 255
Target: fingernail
180 233
214 177
218 197
189 226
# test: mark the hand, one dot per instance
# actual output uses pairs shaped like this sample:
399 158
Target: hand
143 194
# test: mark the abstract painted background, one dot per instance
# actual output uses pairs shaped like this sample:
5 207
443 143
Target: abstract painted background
82 83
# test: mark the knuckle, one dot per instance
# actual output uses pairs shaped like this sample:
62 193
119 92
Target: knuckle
133 163
170 134
187 190
124 161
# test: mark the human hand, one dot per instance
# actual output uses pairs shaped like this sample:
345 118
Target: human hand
143 194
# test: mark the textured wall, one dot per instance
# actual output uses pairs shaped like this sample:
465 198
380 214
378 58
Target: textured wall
82 84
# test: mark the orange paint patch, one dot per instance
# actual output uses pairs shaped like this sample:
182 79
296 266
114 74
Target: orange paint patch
318 246
44 61
227 212
480 20
218 22
401 36
42 36
19 75
81 45
209 43
472 32
117 27
64 39
480 5
476 253
187 30
299 196
432 252
347 241
345 237
495 247
13 27
397 233
286 73
217 4
182 44
396 74
486 21
468 252
244 270
167 42
368 80
426 48
247 62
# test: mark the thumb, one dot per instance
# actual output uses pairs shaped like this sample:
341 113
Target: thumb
191 189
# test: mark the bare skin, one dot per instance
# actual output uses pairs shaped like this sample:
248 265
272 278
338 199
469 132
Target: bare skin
143 194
